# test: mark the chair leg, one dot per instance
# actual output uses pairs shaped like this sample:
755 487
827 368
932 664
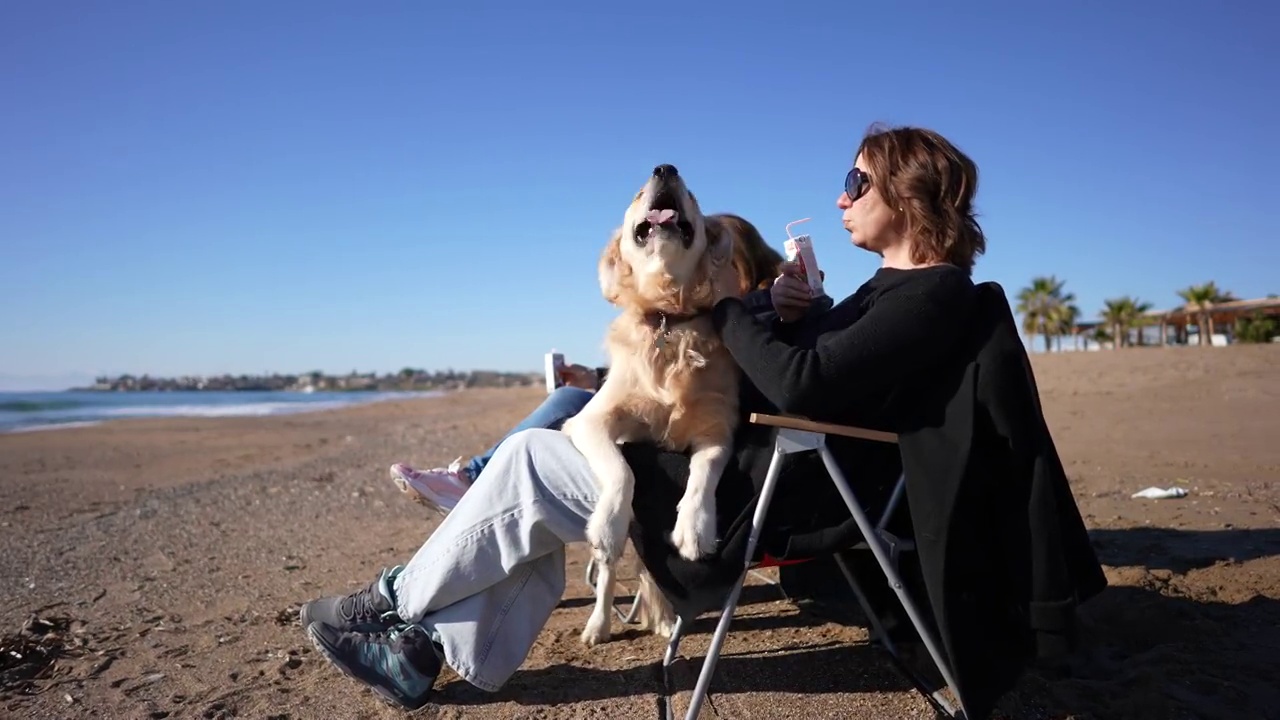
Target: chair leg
872 538
731 604
940 701
877 627
673 645
668 659
899 490
630 616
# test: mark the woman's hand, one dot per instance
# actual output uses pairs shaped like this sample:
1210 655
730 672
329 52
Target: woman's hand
790 293
578 376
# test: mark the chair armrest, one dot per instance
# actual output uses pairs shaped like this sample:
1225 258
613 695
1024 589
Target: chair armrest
799 423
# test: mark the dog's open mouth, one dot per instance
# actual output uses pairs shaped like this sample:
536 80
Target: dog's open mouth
664 214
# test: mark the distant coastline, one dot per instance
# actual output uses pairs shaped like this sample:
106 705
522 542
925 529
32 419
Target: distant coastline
407 380
25 412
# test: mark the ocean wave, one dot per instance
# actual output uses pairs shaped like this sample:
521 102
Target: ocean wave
241 410
26 413
53 426
35 406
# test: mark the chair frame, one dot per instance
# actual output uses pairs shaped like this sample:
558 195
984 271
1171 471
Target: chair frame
801 435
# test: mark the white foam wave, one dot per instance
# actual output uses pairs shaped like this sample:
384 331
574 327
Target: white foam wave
241 410
54 426
81 416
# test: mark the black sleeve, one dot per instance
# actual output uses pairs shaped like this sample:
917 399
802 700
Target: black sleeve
758 303
902 331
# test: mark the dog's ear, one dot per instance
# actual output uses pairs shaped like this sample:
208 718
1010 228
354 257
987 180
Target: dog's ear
720 241
613 268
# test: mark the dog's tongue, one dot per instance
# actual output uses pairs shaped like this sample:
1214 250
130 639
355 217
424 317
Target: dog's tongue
661 217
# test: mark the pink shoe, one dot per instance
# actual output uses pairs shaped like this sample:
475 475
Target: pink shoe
438 487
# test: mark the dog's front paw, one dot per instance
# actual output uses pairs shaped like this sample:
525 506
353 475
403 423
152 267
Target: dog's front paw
694 535
597 629
607 530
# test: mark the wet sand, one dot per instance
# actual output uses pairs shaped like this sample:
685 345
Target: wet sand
168 558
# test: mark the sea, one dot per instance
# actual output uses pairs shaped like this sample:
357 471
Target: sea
31 411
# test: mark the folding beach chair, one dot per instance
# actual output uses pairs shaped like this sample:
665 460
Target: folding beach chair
796 435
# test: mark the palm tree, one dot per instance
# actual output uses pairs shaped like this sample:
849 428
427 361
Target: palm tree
1063 320
1040 305
1115 314
1123 314
1140 320
1200 299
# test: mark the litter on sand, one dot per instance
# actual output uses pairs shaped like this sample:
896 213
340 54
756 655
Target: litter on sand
1155 493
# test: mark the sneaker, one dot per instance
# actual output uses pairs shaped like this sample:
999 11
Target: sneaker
400 664
372 609
438 487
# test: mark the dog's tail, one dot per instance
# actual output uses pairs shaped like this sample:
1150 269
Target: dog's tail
656 613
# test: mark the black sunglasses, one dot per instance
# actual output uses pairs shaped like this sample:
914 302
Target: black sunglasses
856 184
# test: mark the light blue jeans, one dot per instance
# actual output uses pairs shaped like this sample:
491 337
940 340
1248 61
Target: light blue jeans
486 581
560 405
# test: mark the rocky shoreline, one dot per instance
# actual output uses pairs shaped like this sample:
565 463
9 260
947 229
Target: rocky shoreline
408 379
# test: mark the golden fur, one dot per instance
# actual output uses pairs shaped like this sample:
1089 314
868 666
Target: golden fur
668 382
755 260
674 384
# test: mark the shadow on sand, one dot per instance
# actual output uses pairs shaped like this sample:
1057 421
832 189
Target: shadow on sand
1181 551
1153 647
1160 644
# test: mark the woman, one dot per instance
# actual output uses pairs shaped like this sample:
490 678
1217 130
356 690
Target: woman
480 589
756 264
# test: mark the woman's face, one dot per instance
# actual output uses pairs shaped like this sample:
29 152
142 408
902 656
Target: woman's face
872 225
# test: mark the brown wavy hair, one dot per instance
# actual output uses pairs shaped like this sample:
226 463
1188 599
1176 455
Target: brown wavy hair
756 262
932 184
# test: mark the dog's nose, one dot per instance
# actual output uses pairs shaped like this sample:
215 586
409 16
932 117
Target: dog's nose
666 172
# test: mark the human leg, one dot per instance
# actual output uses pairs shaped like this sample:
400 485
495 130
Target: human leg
443 487
560 405
484 583
489 577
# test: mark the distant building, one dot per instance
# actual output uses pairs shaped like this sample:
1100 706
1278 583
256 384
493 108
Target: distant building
1179 326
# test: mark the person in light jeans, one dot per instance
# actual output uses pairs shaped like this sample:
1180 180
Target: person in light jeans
481 588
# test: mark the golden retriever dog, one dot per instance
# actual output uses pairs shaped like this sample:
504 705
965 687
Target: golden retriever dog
671 380
757 265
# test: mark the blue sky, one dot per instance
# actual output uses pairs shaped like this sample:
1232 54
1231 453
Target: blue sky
286 186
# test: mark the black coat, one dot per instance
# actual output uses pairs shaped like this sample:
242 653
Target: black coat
1003 552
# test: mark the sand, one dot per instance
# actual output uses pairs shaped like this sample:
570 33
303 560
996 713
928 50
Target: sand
165 560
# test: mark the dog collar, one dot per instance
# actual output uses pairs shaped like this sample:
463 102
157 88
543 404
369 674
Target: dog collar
662 322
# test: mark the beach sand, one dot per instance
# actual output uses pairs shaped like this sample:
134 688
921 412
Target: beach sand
169 558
